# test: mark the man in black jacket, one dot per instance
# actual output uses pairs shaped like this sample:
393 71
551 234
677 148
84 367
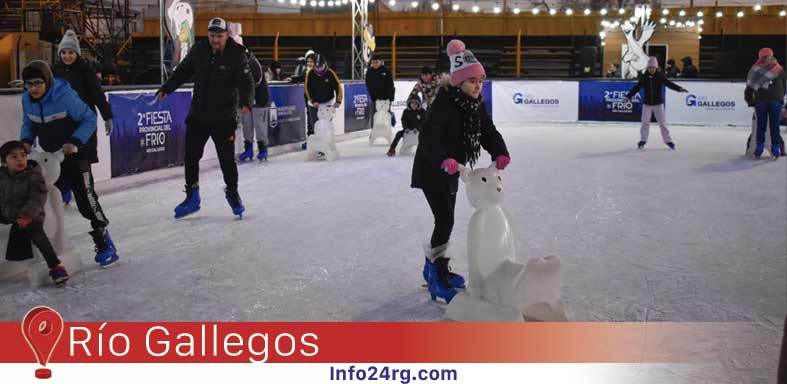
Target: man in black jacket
321 86
222 82
379 83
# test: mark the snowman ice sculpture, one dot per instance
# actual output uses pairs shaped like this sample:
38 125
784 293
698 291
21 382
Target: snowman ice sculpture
409 143
322 145
381 129
500 288
36 269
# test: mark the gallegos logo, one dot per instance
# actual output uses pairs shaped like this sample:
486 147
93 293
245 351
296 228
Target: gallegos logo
704 102
532 100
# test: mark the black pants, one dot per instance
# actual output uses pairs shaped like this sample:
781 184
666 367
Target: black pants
311 118
399 136
442 205
76 174
35 232
223 136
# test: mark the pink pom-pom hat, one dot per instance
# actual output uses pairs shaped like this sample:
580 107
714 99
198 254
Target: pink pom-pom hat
463 63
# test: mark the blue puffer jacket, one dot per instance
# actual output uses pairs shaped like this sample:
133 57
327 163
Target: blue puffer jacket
59 117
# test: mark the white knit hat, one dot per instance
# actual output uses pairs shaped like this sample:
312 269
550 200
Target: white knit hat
69 41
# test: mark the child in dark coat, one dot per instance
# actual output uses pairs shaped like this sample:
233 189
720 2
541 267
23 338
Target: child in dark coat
22 197
456 128
412 120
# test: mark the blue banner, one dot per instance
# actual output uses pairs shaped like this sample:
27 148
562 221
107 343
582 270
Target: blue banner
357 107
601 100
486 93
147 134
287 118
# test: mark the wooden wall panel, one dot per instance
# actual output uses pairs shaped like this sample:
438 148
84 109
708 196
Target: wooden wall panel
468 24
681 43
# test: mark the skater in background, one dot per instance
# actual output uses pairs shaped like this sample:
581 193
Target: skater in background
672 70
456 128
689 70
222 82
275 71
652 81
765 86
261 99
81 76
302 66
379 83
22 197
321 86
428 85
53 113
613 72
413 118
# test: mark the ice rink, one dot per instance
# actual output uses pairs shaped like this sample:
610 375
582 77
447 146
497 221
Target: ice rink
698 234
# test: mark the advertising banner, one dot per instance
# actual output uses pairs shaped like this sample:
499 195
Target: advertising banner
287 115
603 101
147 133
529 101
709 103
357 107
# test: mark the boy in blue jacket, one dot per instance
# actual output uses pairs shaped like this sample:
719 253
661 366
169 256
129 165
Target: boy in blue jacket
53 113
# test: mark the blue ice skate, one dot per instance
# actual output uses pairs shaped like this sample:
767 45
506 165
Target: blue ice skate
438 281
758 150
106 254
248 152
190 204
776 151
235 202
67 196
641 145
263 154
456 280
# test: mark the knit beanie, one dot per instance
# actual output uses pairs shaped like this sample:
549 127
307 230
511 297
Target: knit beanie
765 52
653 62
69 41
463 63
38 69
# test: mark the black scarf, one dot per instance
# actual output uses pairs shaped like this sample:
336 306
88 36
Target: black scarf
471 133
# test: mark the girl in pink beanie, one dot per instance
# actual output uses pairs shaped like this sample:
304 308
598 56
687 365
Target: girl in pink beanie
456 128
653 81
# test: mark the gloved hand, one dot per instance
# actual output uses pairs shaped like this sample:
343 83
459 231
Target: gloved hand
450 166
24 220
108 126
502 162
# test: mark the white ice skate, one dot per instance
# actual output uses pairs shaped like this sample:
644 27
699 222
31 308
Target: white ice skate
381 129
500 288
322 144
36 269
409 143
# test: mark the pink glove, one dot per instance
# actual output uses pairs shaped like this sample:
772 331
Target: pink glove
502 162
450 166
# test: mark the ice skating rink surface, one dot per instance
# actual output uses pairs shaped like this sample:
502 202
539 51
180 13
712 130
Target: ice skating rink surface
698 234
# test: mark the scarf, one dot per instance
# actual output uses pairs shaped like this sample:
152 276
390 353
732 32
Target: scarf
762 73
471 129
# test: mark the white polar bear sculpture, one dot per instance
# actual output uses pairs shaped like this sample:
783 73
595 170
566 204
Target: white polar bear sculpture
500 288
409 143
36 269
322 141
381 129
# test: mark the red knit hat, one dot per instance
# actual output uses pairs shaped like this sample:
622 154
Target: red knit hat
765 52
463 63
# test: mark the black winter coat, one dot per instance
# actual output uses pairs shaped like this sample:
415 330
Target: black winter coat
441 137
222 82
262 96
379 83
413 118
23 193
653 85
322 89
82 78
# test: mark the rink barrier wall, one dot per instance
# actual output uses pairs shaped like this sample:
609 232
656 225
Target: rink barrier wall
714 103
